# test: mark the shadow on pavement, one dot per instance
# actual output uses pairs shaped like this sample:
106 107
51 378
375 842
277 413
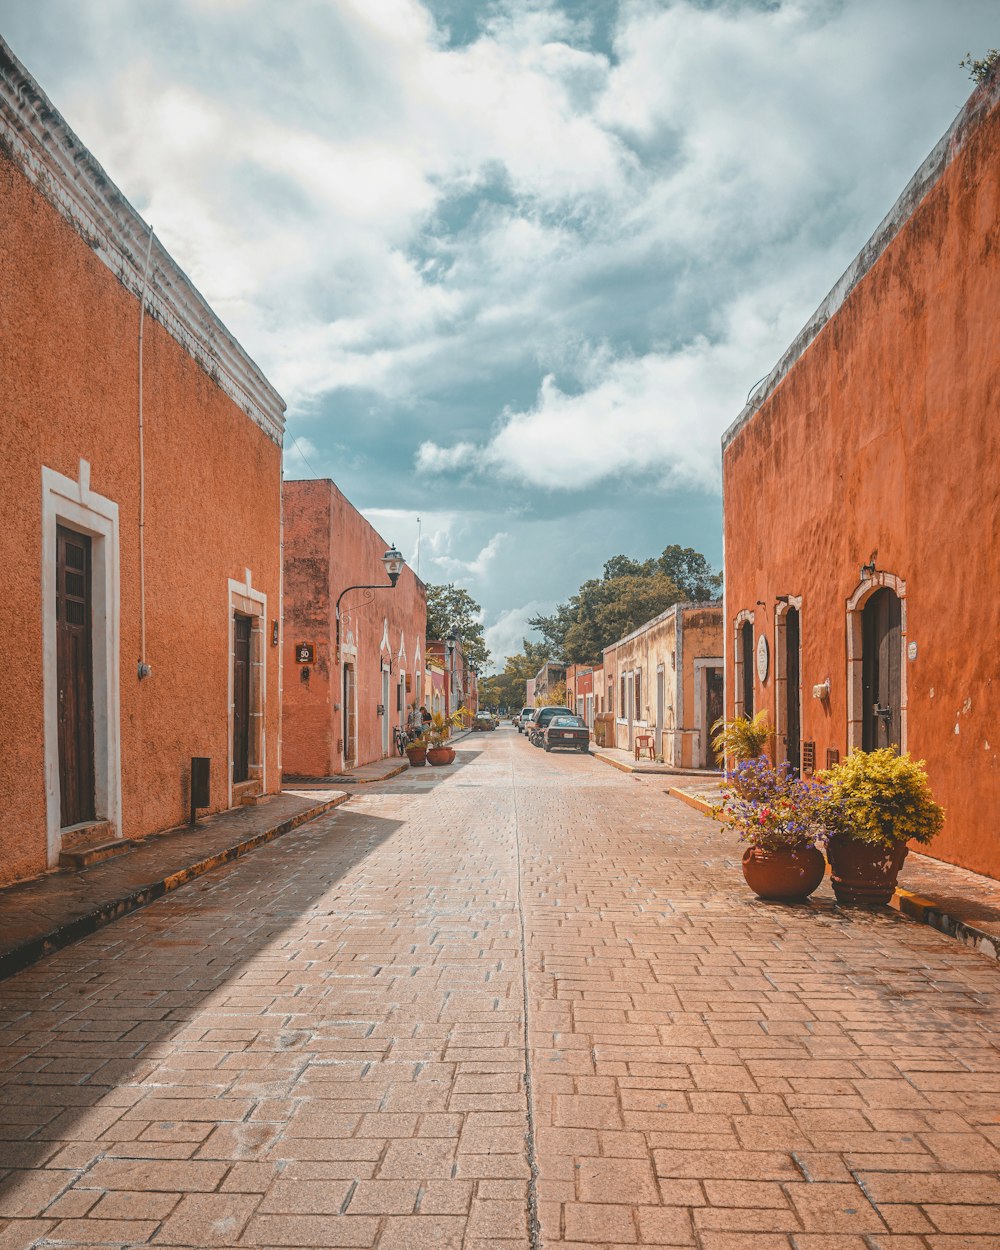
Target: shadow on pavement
90 1024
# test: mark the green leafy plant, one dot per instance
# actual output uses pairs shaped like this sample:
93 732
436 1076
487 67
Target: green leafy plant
980 69
439 730
881 798
743 738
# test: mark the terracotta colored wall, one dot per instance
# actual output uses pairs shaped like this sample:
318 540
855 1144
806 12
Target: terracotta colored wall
885 435
328 546
68 333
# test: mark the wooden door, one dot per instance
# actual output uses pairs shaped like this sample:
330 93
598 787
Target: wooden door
714 710
881 675
747 654
350 718
241 697
75 676
793 710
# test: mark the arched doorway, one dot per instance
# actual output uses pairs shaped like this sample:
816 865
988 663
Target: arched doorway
747 657
881 671
788 680
876 672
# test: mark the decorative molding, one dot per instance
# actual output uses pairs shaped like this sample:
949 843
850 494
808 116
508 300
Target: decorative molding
982 101
74 504
40 143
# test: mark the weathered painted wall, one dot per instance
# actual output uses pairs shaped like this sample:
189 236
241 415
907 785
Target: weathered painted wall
883 436
68 341
671 642
329 546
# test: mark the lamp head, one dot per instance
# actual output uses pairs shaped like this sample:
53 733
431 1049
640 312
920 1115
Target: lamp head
393 561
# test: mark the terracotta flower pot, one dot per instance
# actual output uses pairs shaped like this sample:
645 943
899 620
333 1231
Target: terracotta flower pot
786 876
863 873
440 755
417 757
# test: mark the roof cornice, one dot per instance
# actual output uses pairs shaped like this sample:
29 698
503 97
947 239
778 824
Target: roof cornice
981 102
54 160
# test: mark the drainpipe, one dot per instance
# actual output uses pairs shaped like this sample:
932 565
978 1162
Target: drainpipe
144 668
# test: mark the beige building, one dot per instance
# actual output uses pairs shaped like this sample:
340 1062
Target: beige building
665 679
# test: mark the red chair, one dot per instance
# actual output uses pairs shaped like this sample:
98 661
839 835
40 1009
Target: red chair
644 742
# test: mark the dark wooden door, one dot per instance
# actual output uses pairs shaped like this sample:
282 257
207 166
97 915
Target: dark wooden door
881 675
746 645
75 676
714 709
241 697
793 710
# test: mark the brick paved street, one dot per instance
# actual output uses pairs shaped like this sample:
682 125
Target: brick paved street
322 1044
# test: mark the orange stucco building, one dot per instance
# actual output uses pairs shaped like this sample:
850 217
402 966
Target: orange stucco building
122 544
862 502
340 710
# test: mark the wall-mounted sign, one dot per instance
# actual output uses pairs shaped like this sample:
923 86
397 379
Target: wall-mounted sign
305 653
763 658
911 650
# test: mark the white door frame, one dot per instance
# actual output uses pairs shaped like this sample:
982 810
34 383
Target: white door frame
75 505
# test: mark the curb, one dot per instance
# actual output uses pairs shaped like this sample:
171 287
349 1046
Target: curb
699 805
928 912
645 770
29 952
923 910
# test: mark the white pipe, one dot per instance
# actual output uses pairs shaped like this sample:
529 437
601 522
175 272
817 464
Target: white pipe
144 669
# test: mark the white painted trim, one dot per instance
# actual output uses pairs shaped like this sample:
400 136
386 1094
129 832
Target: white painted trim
701 727
74 504
781 679
855 646
244 598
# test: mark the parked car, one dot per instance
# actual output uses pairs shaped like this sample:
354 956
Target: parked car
522 718
566 733
540 721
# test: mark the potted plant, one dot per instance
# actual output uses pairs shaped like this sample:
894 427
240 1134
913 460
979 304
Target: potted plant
779 820
875 802
416 751
742 738
437 735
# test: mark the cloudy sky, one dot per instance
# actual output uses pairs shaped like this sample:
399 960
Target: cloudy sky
514 264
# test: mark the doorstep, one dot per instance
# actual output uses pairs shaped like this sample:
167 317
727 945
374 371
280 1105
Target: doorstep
963 904
46 913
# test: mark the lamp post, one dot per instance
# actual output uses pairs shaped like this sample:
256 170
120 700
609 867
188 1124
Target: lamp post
449 644
393 562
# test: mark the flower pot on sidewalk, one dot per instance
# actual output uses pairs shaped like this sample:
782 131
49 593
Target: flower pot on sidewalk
864 872
440 755
786 875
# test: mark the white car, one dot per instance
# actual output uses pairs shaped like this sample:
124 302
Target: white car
522 717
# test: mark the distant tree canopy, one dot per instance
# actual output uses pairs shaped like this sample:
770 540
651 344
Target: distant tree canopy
452 610
507 688
630 593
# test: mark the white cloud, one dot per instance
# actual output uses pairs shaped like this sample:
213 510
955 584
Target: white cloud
475 569
505 636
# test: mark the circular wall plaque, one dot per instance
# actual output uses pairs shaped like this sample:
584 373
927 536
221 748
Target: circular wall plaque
763 658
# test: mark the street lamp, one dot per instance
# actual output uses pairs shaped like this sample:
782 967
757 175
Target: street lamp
393 562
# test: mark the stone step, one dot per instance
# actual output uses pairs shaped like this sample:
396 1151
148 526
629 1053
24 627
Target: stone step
84 856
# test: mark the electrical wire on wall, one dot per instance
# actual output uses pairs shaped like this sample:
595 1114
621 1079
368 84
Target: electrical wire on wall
144 668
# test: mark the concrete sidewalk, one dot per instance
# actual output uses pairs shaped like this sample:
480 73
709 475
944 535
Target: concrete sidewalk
960 903
627 763
48 912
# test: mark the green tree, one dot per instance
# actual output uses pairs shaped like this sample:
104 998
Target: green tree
630 593
507 688
452 610
690 572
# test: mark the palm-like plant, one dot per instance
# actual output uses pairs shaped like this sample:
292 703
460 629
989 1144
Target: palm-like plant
742 738
439 730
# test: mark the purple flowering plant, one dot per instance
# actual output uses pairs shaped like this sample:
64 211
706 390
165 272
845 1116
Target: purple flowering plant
771 808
